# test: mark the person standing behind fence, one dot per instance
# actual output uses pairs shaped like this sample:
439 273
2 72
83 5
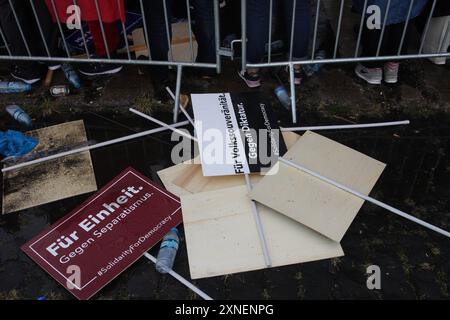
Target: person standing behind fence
437 39
397 14
32 43
111 11
160 35
204 33
258 35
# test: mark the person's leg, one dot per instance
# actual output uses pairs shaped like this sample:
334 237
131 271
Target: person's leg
111 37
390 47
204 30
257 29
50 33
393 36
369 42
10 26
438 38
302 23
370 71
112 41
157 34
257 37
230 21
26 71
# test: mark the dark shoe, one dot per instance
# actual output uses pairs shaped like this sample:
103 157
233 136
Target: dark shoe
251 80
97 69
28 74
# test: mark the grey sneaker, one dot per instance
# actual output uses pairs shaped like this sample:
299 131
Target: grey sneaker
391 72
370 75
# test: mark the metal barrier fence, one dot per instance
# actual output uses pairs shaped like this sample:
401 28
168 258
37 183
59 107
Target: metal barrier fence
88 59
290 63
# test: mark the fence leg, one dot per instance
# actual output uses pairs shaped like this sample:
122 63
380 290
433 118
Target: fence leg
244 34
292 84
217 35
176 107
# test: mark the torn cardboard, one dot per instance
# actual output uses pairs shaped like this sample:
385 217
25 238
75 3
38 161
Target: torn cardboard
312 202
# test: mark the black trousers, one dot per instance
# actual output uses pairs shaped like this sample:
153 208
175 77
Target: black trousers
31 36
389 46
203 29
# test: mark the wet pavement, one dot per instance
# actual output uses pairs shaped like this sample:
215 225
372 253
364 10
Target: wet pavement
414 261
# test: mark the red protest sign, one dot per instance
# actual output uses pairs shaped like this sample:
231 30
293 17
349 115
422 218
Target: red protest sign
97 241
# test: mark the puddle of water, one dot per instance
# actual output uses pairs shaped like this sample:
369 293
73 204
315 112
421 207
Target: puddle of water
412 259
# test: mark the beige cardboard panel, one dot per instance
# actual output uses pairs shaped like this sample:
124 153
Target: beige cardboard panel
168 175
311 202
221 235
181 50
290 138
316 204
192 179
290 242
55 179
222 238
336 161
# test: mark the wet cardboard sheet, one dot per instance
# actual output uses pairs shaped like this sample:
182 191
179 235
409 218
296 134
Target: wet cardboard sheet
55 179
218 209
222 238
316 204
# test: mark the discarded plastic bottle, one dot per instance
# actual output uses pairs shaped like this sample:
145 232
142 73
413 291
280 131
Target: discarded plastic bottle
19 115
283 97
167 251
71 75
59 91
14 87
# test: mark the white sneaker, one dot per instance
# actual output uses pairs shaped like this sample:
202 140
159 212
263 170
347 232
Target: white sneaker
370 75
391 72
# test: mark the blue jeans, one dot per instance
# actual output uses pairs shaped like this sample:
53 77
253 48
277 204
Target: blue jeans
30 29
156 26
204 30
258 27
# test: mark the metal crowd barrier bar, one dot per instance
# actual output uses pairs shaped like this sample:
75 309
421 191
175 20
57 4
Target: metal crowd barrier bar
88 58
290 62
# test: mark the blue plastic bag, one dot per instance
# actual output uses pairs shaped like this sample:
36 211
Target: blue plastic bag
15 143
